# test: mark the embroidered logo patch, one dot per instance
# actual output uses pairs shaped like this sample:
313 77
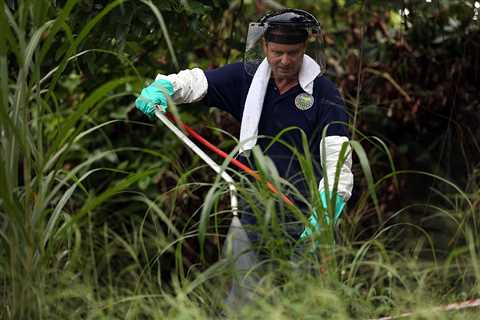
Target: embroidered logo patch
304 101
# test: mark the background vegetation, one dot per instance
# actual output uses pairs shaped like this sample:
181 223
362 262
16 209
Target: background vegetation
100 208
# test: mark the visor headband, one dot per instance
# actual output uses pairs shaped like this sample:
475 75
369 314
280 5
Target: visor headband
286 38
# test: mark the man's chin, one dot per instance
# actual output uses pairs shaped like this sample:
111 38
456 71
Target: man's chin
285 73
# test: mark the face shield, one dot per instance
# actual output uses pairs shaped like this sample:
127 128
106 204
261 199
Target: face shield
289 26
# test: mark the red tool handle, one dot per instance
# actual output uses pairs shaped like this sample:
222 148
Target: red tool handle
224 155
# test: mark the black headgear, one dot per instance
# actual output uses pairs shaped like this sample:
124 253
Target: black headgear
289 26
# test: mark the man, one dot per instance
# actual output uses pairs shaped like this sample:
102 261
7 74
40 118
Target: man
277 86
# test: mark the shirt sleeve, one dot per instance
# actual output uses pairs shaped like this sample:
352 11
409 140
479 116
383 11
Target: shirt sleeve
332 112
227 87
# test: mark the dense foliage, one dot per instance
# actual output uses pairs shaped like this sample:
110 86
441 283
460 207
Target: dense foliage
100 209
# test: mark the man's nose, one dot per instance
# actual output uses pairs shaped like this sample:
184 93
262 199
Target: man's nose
285 59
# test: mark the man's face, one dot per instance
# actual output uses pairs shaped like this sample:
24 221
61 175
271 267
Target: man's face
285 59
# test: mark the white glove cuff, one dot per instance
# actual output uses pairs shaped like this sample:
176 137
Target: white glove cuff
333 145
188 85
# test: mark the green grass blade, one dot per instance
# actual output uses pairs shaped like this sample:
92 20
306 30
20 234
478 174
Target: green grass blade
58 25
52 220
163 26
65 132
81 36
365 165
121 185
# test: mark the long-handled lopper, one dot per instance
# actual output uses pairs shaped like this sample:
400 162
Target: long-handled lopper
238 244
233 161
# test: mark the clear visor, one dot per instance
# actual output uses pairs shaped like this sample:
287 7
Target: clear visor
254 51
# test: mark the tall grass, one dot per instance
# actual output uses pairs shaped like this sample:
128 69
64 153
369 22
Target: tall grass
58 261
40 236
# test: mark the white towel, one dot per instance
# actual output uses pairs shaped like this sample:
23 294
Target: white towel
256 94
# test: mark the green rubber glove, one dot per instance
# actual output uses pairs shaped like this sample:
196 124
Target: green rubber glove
314 225
154 95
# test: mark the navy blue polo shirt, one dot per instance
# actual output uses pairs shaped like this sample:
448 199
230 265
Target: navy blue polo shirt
227 90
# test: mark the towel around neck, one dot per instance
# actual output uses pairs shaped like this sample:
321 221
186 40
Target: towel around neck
256 94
